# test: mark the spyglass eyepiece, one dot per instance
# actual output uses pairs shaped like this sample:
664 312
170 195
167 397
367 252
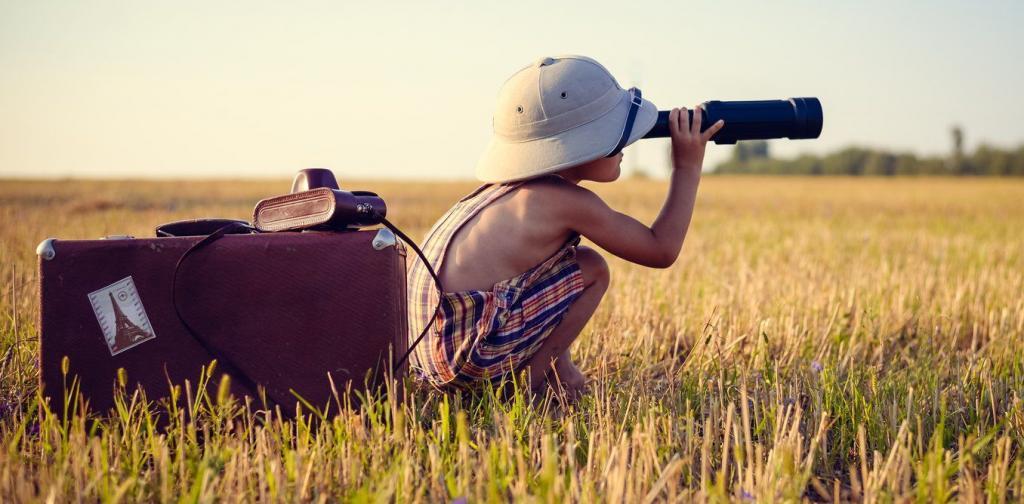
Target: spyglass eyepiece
794 118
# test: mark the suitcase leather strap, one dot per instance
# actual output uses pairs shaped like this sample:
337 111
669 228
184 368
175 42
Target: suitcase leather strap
230 365
233 368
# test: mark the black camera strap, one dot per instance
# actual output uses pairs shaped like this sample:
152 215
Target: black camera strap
437 282
236 227
230 366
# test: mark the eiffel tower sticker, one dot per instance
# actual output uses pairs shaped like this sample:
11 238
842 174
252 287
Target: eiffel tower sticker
121 315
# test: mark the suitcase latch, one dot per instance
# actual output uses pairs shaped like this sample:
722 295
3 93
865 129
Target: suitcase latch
385 238
45 249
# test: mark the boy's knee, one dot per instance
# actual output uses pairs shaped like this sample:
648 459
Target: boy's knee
593 266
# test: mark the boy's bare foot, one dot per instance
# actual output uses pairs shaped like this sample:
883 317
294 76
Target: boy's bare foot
569 377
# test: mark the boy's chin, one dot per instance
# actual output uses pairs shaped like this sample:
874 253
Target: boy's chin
602 175
610 177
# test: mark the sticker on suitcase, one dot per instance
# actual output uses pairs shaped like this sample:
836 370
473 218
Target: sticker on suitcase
119 311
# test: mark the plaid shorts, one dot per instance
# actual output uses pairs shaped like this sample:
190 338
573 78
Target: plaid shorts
484 334
481 335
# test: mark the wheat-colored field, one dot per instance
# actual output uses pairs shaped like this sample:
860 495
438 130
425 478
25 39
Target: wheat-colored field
818 339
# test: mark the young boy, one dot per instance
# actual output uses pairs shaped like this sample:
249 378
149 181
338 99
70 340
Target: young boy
517 288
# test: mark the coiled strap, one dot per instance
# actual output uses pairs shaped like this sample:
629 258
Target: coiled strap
221 357
233 368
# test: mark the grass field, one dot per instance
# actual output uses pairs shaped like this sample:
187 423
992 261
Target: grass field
819 339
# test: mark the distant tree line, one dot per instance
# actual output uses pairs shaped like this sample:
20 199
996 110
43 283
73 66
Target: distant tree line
754 157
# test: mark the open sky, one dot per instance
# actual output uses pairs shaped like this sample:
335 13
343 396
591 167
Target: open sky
179 88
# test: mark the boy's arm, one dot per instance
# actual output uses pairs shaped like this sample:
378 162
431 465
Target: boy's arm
657 246
622 235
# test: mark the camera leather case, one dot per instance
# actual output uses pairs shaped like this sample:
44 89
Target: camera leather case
319 208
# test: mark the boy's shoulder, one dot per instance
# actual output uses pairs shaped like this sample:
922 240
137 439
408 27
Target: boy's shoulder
558 194
553 185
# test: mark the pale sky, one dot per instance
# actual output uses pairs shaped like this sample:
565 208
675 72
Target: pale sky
406 90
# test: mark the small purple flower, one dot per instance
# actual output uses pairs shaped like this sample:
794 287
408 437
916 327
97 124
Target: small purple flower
745 495
789 401
6 409
460 500
816 366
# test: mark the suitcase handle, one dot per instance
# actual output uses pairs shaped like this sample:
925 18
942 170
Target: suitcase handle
199 227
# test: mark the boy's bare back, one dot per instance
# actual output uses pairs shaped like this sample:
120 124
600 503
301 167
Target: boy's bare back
507 237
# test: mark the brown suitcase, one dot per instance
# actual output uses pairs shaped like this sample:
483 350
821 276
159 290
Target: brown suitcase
278 311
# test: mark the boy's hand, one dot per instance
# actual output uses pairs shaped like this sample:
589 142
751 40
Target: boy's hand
687 140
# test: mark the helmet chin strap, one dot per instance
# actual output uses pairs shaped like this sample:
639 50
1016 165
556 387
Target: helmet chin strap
634 105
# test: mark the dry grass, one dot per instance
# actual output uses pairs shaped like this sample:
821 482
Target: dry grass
820 339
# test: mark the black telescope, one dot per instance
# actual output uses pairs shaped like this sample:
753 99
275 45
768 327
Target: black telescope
794 118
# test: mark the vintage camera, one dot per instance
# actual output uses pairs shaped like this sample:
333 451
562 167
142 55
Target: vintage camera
316 202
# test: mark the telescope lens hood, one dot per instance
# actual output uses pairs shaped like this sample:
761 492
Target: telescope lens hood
808 120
